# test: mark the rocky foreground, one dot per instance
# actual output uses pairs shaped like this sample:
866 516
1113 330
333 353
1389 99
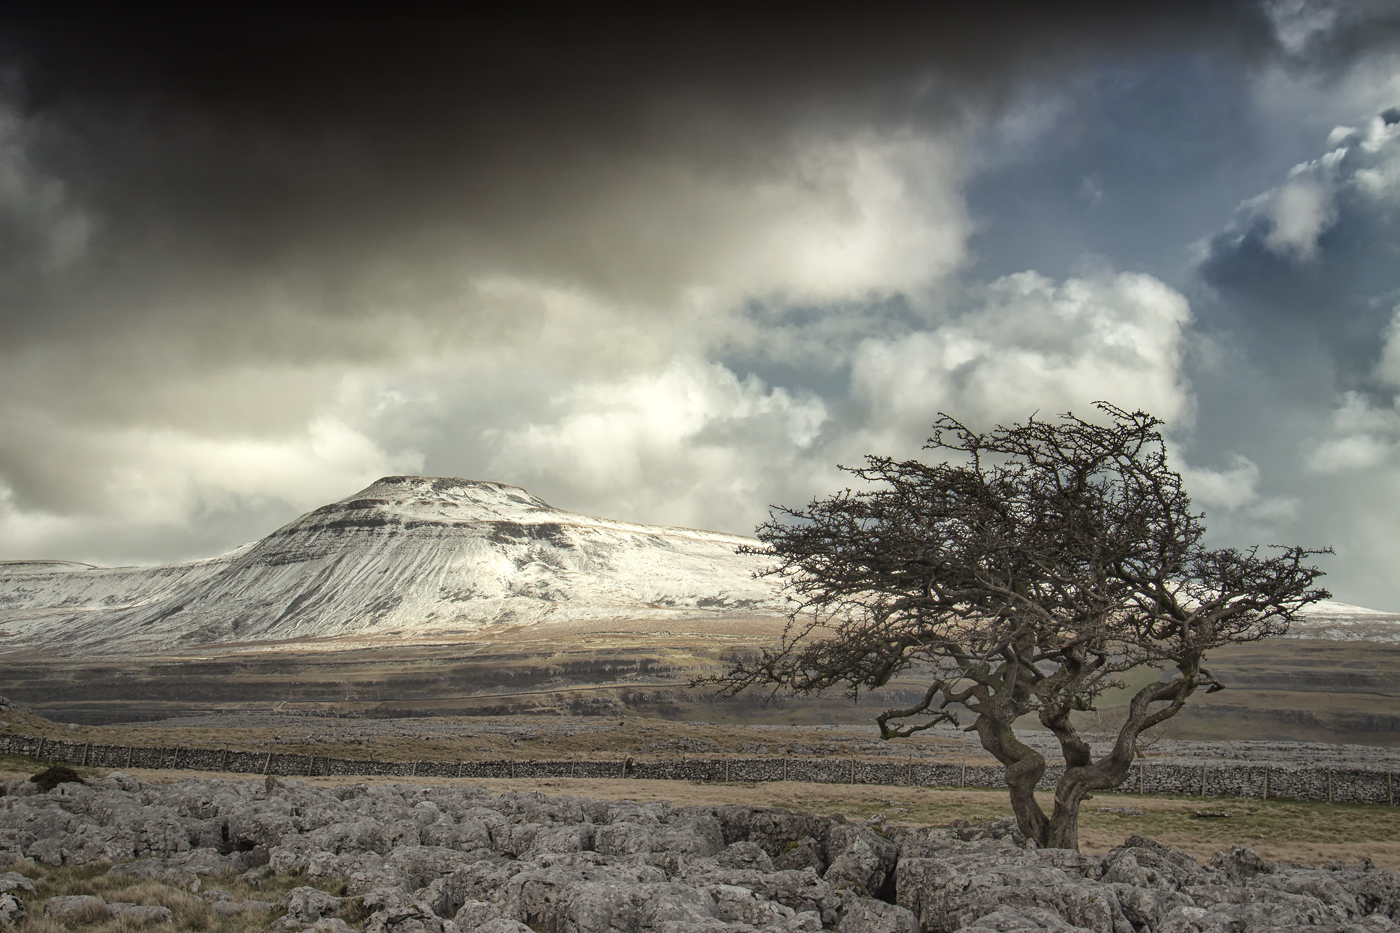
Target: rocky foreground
439 859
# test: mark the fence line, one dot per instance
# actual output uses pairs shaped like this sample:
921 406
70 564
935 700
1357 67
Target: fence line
1341 785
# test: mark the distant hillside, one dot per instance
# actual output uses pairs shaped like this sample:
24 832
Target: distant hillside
409 556
446 596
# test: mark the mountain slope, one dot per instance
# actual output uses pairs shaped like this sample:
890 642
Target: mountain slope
408 555
417 556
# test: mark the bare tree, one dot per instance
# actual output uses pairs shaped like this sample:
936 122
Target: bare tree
1022 574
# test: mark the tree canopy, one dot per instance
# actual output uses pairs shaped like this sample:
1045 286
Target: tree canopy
1021 572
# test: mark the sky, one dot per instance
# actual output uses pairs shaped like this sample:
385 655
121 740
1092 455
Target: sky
676 270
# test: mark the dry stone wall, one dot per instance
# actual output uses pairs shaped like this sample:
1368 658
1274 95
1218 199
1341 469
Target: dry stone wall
1340 785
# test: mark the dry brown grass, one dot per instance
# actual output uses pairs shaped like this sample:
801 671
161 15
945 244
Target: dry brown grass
189 911
604 738
1279 830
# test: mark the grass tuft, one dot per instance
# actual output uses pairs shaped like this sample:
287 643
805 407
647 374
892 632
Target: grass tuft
189 911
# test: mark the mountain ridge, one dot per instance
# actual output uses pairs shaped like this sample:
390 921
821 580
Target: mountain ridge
411 557
407 555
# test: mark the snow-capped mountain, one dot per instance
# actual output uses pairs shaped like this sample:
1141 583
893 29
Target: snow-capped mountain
409 555
1336 621
419 556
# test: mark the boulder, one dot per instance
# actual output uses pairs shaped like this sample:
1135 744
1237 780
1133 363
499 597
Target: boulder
139 913
412 918
950 893
306 905
745 854
771 829
860 859
479 915
75 907
867 915
14 881
11 910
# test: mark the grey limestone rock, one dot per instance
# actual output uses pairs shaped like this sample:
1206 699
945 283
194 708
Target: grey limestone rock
745 855
325 925
1240 864
254 877
74 906
860 859
307 904
14 881
802 891
20 787
500 926
480 916
952 892
1146 906
410 918
773 830
139 913
804 852
420 865
867 915
11 910
1023 920
737 904
182 870
425 859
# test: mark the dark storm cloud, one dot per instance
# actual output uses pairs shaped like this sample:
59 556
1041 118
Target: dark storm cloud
204 151
1333 36
668 269
1324 300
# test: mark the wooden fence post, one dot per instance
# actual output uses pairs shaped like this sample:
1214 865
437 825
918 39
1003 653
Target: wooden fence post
86 746
267 762
1203 780
1266 782
128 756
962 781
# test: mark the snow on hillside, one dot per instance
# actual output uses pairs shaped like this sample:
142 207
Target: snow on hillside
409 555
413 556
1336 621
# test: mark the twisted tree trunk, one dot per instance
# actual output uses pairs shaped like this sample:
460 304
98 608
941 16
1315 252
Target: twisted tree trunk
1024 768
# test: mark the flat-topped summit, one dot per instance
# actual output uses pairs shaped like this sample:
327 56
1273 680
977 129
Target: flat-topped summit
408 555
447 497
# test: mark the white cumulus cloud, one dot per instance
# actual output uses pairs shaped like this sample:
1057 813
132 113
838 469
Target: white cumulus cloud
1035 344
691 444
